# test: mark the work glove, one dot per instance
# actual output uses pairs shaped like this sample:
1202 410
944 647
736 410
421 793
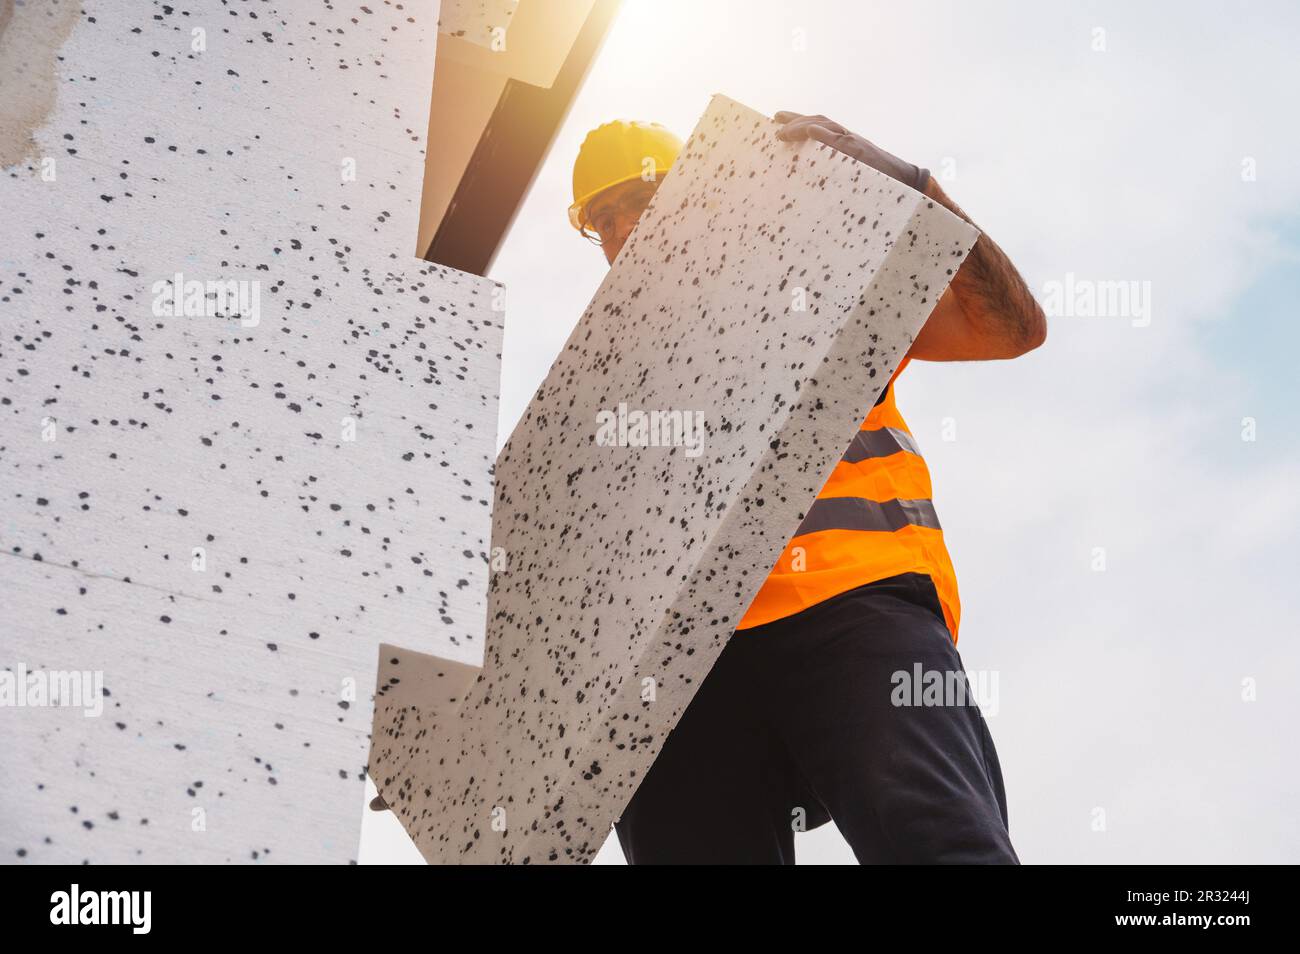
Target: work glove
795 126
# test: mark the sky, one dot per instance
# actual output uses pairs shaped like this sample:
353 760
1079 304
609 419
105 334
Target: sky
1120 505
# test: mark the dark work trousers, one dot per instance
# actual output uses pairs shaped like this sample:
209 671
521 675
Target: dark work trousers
798 719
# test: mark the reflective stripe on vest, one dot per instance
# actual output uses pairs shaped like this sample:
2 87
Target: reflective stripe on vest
858 513
879 443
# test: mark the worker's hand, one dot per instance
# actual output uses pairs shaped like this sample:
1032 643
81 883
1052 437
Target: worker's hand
795 126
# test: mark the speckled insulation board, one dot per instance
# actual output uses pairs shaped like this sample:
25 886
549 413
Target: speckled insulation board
225 518
625 568
477 20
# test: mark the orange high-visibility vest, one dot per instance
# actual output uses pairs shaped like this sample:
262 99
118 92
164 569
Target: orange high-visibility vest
873 519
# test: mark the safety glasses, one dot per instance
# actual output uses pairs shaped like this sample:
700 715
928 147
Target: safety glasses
630 202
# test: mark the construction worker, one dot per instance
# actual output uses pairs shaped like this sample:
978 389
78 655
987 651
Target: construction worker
810 713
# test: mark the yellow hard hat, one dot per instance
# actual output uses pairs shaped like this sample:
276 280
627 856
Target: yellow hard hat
618 152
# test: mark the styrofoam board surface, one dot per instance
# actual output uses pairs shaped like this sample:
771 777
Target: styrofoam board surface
333 462
477 21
